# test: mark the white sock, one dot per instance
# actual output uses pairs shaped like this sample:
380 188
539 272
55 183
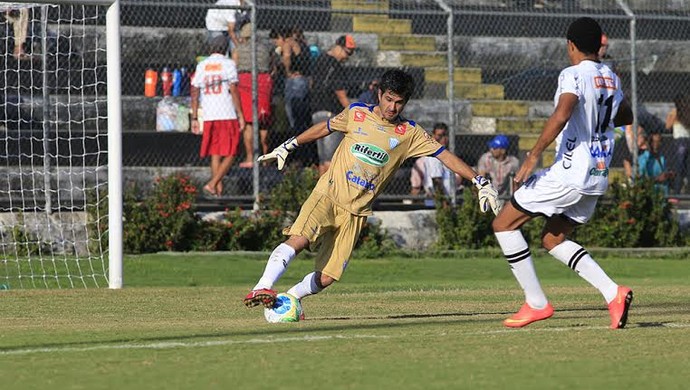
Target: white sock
517 253
275 267
306 287
579 260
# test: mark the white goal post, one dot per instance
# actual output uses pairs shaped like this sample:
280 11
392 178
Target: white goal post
55 194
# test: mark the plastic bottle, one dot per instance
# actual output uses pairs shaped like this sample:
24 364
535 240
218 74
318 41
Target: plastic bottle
176 82
150 82
184 80
166 81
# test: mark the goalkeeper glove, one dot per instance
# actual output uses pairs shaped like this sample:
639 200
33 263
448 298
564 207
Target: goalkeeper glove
280 153
488 196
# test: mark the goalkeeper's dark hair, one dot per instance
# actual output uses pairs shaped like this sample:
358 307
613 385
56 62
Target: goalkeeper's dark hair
399 82
585 33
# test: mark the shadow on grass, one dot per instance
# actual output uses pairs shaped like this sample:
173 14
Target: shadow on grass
391 321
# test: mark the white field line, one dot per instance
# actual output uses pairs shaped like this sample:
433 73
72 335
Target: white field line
269 340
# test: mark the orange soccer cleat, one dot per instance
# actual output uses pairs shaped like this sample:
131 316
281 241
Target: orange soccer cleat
527 315
263 296
618 308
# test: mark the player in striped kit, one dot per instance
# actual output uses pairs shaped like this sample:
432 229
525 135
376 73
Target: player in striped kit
214 90
589 104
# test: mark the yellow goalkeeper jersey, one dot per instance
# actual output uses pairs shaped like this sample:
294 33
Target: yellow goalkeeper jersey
366 159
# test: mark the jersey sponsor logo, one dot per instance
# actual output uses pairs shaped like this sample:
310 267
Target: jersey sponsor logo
359 116
599 172
393 142
380 128
598 152
400 129
360 131
370 154
213 67
360 181
604 82
568 155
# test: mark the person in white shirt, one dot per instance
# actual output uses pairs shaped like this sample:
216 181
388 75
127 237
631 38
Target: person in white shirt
221 22
589 103
430 174
214 90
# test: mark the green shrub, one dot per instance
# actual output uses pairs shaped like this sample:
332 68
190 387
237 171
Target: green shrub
21 242
632 216
164 221
626 217
257 231
373 241
465 226
289 195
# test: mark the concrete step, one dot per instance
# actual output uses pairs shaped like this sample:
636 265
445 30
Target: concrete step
461 75
470 91
500 108
424 60
381 24
360 5
520 126
407 43
527 142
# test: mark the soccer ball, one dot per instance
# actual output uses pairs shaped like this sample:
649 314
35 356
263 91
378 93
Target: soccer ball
286 309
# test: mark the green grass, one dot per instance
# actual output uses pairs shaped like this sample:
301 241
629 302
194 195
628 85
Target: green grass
392 323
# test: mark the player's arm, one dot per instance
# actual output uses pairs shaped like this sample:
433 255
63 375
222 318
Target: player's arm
554 125
624 116
457 165
194 93
280 153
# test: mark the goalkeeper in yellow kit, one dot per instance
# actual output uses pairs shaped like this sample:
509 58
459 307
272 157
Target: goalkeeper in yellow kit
377 142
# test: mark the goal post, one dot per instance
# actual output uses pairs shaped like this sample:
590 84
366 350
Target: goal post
60 187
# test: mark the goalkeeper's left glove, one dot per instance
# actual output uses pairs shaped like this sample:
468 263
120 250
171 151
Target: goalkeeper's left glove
281 152
488 196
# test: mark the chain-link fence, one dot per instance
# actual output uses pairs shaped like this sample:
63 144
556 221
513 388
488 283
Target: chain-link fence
503 57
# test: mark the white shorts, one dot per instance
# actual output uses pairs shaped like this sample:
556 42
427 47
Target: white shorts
541 196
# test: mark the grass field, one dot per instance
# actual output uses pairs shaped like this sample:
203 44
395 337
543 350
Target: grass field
393 323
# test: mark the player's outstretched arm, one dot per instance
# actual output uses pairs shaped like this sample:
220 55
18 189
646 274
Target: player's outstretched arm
488 196
281 153
553 126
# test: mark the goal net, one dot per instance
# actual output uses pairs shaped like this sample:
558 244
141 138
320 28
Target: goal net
54 138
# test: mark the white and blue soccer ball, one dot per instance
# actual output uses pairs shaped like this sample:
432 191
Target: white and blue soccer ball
286 309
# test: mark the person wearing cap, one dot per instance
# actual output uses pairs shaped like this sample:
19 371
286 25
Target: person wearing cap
329 93
264 91
498 165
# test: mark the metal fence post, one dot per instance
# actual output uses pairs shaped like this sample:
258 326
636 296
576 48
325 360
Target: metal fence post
633 78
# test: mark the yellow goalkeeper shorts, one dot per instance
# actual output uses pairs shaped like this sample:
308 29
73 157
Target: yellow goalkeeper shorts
331 230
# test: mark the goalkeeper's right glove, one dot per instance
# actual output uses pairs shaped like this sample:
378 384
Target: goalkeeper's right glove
488 196
281 152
